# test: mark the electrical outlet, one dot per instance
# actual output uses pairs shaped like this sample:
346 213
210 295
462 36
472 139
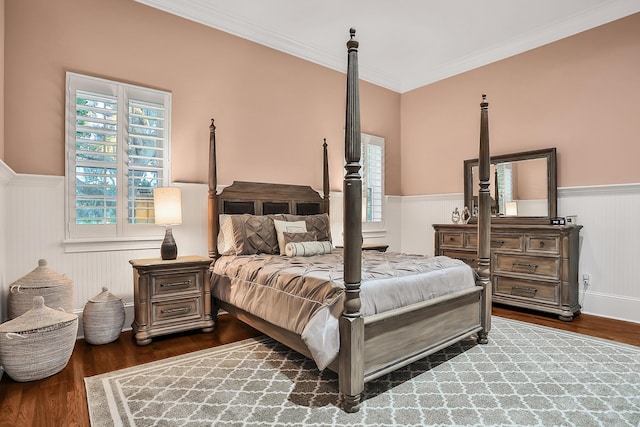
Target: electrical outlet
586 279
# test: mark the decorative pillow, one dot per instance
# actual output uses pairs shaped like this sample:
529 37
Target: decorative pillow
318 224
288 227
246 235
308 248
298 237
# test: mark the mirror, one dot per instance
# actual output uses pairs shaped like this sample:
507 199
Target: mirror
522 185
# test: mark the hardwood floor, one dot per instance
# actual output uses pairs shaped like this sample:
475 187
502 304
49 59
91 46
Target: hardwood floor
60 400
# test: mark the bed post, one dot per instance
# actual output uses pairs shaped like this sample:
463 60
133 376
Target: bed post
325 176
213 196
484 223
351 369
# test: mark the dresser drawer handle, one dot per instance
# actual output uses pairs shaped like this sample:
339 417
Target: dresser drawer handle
498 242
169 285
531 291
541 244
466 259
530 267
176 310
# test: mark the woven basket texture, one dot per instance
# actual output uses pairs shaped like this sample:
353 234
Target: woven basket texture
38 343
56 289
103 318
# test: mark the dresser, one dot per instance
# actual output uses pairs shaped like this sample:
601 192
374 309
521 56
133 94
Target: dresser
532 266
170 296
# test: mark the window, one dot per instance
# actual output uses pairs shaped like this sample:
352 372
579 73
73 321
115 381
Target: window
373 178
118 146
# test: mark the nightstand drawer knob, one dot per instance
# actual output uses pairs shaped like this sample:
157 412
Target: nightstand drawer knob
520 290
176 310
168 285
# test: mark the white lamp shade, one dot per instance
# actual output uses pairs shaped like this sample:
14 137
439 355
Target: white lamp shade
167 204
511 208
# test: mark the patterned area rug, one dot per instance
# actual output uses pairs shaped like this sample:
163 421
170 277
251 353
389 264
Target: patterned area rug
526 376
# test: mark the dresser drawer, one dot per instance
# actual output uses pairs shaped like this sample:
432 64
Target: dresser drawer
172 283
547 244
470 258
546 267
451 239
176 310
498 241
537 291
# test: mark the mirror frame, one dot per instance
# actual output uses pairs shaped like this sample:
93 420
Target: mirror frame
552 190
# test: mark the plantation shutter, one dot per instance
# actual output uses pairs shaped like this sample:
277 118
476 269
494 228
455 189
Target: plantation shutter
118 151
96 155
373 188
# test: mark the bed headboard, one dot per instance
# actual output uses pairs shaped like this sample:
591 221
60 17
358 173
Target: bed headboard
258 198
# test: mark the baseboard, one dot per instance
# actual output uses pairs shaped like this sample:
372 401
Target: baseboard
611 306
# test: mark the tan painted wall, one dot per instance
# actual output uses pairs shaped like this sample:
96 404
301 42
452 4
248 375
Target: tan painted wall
580 94
271 109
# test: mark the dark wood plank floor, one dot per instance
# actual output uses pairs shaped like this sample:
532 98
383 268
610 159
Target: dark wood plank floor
61 400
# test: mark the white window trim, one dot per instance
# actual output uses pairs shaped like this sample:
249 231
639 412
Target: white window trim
122 236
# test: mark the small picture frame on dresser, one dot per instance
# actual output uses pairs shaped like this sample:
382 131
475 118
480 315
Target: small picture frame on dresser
558 221
572 219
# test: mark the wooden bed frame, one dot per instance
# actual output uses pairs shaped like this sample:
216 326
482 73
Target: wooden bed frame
374 345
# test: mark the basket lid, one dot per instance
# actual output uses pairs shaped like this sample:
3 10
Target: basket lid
38 317
104 296
41 277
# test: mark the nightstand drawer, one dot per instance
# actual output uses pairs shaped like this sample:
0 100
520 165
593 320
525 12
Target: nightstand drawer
538 291
175 310
545 267
548 244
171 283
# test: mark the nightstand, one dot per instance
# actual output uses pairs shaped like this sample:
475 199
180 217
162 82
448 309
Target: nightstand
170 296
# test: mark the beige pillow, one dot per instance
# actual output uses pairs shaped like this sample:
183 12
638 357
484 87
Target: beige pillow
288 227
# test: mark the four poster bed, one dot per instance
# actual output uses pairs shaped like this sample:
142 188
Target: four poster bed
361 314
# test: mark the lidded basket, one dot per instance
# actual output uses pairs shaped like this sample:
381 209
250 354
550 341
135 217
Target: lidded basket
38 343
56 289
103 318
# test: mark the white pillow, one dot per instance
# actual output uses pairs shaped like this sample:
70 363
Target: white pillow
308 248
288 227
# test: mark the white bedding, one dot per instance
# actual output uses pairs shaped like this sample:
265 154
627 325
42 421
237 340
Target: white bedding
305 295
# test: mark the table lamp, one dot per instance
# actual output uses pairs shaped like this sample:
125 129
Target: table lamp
167 206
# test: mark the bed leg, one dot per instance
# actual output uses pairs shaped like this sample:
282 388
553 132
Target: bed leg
351 369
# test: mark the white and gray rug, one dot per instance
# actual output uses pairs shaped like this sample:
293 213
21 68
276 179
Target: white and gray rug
526 376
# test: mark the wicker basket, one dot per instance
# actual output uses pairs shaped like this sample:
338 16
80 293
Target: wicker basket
38 343
103 318
56 289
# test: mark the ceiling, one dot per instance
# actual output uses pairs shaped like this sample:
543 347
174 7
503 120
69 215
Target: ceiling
404 44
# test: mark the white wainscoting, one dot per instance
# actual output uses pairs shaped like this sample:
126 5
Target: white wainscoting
609 246
32 227
35 229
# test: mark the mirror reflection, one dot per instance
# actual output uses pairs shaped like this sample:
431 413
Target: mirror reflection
522 185
517 189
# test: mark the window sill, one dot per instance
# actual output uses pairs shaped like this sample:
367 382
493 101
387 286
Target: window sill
111 244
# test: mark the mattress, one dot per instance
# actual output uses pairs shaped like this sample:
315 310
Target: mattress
305 295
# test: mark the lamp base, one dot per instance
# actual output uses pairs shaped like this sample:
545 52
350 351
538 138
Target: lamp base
168 249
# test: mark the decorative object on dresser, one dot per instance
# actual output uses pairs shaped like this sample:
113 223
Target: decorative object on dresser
170 296
167 208
57 290
103 318
38 343
532 266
